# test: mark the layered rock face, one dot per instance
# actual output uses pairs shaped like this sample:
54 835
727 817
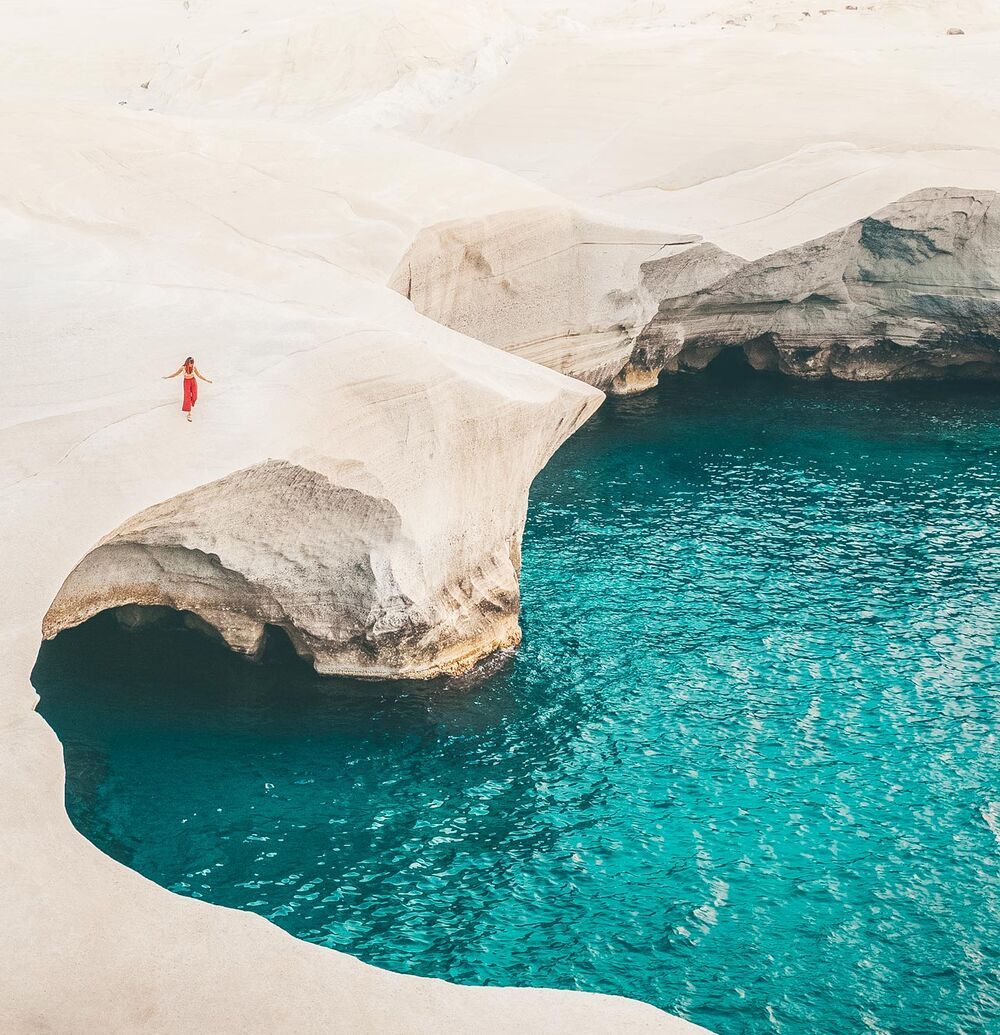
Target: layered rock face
283 546
912 291
662 279
547 283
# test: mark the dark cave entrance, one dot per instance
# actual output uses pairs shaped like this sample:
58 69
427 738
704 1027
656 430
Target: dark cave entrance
731 364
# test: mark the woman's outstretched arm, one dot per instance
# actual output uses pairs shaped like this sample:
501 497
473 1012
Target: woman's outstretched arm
167 377
202 376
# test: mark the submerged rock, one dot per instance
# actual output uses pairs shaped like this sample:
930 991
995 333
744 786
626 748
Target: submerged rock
550 284
912 291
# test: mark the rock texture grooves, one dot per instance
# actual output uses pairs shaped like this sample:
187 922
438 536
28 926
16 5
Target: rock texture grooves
280 545
548 283
662 279
912 291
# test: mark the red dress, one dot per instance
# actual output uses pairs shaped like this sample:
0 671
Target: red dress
190 392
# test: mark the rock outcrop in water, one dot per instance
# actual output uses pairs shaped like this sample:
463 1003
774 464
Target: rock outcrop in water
671 277
283 546
549 283
912 291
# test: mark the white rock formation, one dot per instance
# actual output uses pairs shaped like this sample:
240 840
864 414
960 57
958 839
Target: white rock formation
263 249
362 568
549 283
910 292
663 279
203 177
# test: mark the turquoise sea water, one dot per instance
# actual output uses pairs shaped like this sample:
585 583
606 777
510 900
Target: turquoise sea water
744 766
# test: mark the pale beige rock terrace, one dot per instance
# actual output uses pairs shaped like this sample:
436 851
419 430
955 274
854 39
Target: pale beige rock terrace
279 545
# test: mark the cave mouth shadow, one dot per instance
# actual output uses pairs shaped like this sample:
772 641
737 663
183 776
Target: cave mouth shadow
101 676
732 365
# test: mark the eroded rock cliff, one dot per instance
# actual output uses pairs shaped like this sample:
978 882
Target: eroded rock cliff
912 291
661 279
278 545
376 516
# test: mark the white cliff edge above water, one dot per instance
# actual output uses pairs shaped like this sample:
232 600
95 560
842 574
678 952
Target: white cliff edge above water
380 528
910 292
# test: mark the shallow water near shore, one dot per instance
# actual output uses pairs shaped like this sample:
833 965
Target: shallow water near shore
744 765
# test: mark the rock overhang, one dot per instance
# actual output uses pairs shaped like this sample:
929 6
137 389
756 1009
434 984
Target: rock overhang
911 291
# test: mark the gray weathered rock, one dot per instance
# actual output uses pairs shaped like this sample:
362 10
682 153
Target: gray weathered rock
912 291
674 276
279 545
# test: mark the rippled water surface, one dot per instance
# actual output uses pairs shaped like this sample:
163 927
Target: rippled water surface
744 766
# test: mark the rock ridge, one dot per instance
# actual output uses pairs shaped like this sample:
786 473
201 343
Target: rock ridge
910 292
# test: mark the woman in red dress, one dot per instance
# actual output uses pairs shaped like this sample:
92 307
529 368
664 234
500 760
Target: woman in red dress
191 374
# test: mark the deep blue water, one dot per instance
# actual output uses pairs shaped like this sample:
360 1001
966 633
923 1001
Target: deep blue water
744 765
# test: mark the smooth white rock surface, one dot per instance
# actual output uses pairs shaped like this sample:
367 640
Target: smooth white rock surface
379 521
548 283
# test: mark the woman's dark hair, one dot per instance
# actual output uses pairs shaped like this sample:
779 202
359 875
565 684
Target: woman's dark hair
190 359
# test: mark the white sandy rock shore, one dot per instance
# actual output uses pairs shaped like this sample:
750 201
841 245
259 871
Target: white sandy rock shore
240 183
